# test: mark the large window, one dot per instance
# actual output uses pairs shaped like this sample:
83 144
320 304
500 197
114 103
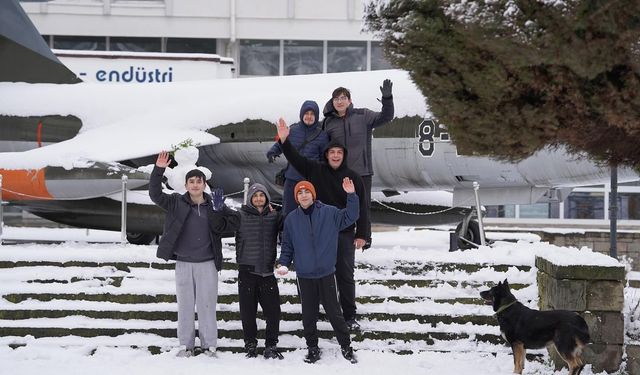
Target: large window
378 60
191 45
260 57
87 43
346 57
132 44
629 206
302 57
584 205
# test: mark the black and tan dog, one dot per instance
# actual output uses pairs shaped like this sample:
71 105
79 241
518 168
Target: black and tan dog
524 328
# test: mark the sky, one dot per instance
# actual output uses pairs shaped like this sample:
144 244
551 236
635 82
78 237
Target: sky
404 245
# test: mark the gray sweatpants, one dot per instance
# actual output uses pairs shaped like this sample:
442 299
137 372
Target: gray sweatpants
197 286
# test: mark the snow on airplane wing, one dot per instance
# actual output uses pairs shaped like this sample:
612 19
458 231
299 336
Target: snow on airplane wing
128 121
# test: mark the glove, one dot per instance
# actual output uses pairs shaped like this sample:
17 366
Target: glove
385 89
271 156
218 199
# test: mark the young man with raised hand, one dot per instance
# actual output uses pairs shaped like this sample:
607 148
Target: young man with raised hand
327 177
311 242
193 225
256 240
353 128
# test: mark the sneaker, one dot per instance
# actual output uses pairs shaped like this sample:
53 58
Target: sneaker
185 353
347 353
353 325
251 349
313 355
272 352
210 352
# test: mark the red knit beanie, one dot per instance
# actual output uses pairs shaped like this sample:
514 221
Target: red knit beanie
304 185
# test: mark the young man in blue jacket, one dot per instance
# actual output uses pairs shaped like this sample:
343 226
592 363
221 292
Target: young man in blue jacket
310 140
192 229
311 243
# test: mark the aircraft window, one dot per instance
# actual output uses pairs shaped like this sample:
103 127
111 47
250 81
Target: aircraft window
85 43
346 57
302 57
259 57
378 60
191 45
132 44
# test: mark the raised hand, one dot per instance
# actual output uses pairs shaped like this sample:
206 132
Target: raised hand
283 129
385 89
217 197
163 160
348 186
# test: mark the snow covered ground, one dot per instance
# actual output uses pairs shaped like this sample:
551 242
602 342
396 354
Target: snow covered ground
101 355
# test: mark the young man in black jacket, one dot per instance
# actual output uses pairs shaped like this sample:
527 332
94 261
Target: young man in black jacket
327 178
353 128
256 240
191 236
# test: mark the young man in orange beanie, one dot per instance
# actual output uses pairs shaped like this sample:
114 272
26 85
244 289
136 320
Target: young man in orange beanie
311 242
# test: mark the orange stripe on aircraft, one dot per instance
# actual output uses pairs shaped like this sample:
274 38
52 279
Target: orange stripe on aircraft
39 133
22 185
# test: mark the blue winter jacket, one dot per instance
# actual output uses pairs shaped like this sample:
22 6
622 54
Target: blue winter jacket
311 241
298 132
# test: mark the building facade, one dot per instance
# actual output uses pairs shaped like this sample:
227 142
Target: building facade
264 37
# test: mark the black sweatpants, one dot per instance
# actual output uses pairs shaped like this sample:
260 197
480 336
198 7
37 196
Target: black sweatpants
344 274
254 289
312 292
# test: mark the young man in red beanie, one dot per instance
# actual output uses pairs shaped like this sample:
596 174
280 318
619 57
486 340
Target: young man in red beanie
311 242
327 177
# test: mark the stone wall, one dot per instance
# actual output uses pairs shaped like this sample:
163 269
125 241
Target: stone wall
628 242
596 293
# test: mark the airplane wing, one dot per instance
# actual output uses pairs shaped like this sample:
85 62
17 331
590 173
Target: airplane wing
121 122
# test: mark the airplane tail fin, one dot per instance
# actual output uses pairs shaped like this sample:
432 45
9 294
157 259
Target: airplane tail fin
24 55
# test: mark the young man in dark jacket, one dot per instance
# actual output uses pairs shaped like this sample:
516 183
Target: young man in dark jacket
310 242
327 177
310 140
353 128
256 239
191 236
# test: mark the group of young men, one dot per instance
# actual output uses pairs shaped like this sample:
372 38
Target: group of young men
324 219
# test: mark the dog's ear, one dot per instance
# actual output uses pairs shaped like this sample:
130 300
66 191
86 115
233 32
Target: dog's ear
505 283
499 283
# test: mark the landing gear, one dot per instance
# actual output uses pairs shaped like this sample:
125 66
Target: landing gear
469 238
467 234
140 238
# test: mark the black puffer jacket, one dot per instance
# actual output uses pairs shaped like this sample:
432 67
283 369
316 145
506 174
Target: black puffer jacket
178 206
257 236
328 182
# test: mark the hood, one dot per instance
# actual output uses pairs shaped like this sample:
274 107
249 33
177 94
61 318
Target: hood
333 144
255 188
309 105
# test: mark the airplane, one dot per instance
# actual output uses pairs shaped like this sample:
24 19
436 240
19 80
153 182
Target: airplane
64 143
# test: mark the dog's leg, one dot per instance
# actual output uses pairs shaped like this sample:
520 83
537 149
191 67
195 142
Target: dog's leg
518 357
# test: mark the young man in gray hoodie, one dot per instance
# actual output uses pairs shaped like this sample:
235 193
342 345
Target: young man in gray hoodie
192 230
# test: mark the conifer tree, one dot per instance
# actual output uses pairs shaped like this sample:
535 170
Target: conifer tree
510 77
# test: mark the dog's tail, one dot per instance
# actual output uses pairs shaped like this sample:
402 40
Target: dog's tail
582 332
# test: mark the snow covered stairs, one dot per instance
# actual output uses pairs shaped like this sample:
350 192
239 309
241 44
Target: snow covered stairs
91 296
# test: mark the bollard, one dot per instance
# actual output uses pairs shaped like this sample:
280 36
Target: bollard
246 189
123 218
476 186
